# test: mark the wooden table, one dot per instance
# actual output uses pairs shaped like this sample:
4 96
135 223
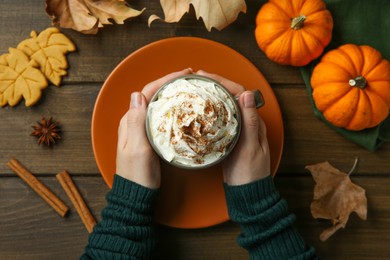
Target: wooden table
30 229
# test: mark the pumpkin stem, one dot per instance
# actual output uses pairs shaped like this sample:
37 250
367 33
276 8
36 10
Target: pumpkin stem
297 22
359 82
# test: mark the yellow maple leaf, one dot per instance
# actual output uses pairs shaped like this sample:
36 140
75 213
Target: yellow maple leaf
19 77
48 49
215 13
87 16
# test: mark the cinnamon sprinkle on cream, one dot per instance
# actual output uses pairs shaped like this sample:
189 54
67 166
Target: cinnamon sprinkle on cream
192 122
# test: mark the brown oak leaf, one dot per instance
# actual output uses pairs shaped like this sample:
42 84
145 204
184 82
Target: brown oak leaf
335 197
48 49
215 13
19 77
87 16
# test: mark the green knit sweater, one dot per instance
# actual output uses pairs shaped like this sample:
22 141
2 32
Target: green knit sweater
126 232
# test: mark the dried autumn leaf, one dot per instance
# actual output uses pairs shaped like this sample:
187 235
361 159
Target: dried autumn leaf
215 13
19 78
335 197
87 16
48 49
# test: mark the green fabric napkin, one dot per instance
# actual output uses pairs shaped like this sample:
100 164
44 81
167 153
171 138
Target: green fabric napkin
364 22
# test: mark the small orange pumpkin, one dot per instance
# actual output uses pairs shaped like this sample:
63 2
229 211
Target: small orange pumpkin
351 87
293 32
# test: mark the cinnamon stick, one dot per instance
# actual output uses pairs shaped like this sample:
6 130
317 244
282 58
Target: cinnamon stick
77 200
41 189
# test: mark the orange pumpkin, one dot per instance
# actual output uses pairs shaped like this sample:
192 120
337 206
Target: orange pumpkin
293 32
351 87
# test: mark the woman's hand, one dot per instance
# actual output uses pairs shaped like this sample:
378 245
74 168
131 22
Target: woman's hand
136 160
250 159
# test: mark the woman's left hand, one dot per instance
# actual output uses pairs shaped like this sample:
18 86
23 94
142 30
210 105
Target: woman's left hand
136 160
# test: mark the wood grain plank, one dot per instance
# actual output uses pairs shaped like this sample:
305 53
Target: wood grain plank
71 106
30 228
99 54
307 139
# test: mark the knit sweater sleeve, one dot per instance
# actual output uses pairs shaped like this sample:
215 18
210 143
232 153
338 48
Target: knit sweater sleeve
125 231
267 230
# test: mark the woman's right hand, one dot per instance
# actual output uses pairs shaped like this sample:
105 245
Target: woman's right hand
250 159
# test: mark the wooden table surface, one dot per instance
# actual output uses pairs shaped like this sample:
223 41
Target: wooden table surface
30 229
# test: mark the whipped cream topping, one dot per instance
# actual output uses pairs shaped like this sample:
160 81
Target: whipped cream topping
192 122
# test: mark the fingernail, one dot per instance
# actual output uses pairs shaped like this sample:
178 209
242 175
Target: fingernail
190 70
135 100
249 100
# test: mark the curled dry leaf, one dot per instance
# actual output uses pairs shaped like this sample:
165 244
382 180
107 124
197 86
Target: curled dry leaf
87 16
215 13
48 49
19 77
335 197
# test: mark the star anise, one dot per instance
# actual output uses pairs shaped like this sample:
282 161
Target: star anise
47 131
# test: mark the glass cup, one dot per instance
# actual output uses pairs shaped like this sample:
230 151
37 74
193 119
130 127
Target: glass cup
235 112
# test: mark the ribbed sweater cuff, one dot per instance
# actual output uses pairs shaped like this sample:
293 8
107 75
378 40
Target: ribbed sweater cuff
125 230
266 225
241 198
131 191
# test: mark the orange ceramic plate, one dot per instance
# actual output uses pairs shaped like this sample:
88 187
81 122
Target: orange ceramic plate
188 199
